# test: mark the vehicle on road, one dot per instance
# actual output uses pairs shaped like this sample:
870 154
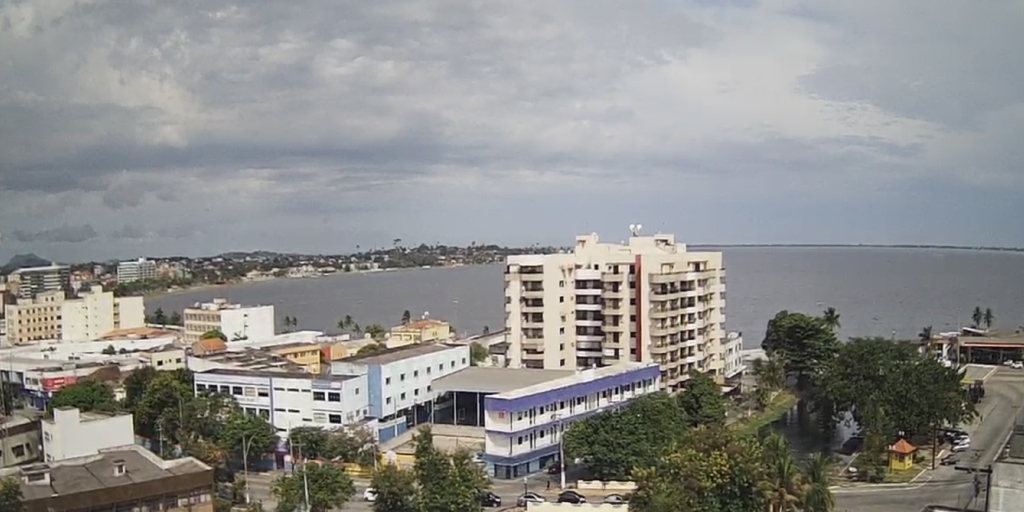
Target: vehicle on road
489 499
571 496
615 499
370 494
1017 365
555 469
949 460
962 447
530 497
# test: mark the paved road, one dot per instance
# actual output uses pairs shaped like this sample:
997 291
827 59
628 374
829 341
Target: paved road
945 486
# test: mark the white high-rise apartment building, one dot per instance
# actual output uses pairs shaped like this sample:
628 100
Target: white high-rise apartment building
97 313
645 300
135 270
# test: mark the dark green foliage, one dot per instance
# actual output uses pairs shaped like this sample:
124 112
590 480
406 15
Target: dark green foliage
447 482
804 342
702 401
329 488
396 489
86 395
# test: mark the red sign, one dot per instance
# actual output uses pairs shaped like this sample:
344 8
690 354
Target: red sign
58 382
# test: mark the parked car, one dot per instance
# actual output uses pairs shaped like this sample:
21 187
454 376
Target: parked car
1017 365
962 447
489 499
615 499
571 496
370 494
949 460
530 497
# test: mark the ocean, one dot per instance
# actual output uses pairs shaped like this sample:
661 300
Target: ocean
876 290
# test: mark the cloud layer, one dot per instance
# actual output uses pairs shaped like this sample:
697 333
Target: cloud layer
173 128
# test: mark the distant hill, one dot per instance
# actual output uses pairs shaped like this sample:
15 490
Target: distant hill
20 261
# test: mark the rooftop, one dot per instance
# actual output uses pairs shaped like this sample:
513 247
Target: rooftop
417 325
137 332
390 355
96 472
478 379
252 359
275 374
294 345
572 379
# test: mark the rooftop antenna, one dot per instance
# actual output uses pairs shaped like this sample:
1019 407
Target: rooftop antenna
634 229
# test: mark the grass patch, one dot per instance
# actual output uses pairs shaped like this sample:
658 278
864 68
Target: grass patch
902 476
783 402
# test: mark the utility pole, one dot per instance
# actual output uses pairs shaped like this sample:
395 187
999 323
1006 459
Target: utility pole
245 463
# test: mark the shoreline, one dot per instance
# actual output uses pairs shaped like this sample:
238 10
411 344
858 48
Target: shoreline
210 286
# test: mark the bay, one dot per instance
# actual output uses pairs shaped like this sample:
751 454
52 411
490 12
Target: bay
876 290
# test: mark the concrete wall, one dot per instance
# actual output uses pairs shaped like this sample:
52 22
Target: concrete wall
256 323
70 435
563 507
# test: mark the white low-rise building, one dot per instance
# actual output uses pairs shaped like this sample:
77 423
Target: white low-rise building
71 433
400 381
97 313
235 321
291 399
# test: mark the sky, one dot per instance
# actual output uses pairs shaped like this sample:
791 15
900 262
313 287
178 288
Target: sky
144 127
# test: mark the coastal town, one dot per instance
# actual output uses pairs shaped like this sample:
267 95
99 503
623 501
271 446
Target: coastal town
615 382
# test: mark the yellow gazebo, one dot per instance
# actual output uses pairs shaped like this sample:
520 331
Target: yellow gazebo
901 455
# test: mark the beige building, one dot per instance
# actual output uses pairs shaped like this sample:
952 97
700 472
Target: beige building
31 320
97 313
235 321
168 358
645 300
306 355
419 331
19 440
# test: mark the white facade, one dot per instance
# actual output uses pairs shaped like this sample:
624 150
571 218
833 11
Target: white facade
523 427
136 270
289 400
76 434
648 300
401 378
168 359
97 313
237 322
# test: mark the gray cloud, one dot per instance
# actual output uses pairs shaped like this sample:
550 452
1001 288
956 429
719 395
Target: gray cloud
57 235
246 118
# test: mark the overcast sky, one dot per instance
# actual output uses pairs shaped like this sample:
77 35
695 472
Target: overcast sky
168 127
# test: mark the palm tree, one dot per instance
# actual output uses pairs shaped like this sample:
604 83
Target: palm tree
287 323
770 373
926 334
775 448
988 317
816 495
785 484
831 318
977 316
406 317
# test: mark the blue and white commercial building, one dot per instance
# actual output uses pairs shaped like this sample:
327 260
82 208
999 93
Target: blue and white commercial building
523 427
291 399
400 382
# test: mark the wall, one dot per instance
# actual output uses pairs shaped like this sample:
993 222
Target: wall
168 360
255 323
412 377
70 435
22 442
130 312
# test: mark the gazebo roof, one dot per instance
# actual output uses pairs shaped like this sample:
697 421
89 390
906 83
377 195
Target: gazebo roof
902 447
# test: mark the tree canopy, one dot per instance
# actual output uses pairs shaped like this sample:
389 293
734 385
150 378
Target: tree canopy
448 482
329 488
702 401
10 496
478 353
370 348
396 489
214 334
804 343
86 395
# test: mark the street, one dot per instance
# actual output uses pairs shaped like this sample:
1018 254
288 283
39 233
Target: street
947 486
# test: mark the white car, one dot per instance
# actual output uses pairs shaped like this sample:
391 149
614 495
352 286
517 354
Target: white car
370 494
1017 365
962 447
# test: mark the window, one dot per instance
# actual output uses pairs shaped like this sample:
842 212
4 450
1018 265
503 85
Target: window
520 440
227 389
463 360
357 391
335 418
415 373
428 370
264 392
452 364
401 377
319 417
430 388
402 397
265 414
236 390
388 400
294 390
159 363
387 381
278 389
279 410
200 387
416 392
249 391
293 410
18 451
333 397
440 367
319 396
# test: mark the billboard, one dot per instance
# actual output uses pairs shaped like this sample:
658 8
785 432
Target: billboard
55 383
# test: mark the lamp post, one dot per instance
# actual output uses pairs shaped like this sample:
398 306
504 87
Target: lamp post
246 443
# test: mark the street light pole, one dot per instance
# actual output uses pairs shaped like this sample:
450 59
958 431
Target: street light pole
245 463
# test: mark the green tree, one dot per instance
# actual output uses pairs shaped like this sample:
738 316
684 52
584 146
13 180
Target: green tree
159 317
109 350
785 484
161 408
447 482
239 428
370 348
396 489
376 331
612 443
988 318
175 319
214 334
926 333
977 316
9 398
406 317
313 440
770 372
831 318
712 469
329 488
702 401
135 385
804 342
817 497
487 330
86 395
478 353
11 499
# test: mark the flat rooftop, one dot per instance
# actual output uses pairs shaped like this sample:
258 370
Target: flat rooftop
973 372
96 472
573 378
275 374
390 355
479 379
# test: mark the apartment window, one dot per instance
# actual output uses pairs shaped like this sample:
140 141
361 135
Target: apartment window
388 400
402 397
561 330
561 362
561 284
561 405
416 392
561 298
463 360
294 390
295 411
200 387
387 381
357 391
430 388
428 370
401 377
333 397
236 390
279 410
415 373
18 451
520 440
440 367
250 391
227 389
452 364
335 418
319 417
278 389
264 392
318 396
